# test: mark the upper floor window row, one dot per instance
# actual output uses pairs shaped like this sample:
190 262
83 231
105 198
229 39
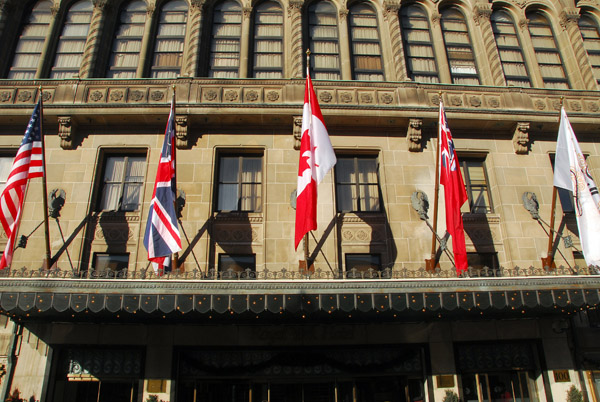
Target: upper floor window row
234 44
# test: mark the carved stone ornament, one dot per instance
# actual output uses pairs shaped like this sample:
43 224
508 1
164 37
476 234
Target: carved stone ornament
540 104
343 14
575 106
297 132
519 3
100 4
294 6
475 101
494 102
116 96
593 106
55 9
435 100
210 95
66 131
150 10
556 104
325 96
136 95
521 142
523 24
366 98
252 96
46 96
387 98
5 96
390 8
414 135
247 12
96 96
181 137
272 96
456 101
569 17
24 96
230 96
435 18
157 95
346 97
197 4
482 12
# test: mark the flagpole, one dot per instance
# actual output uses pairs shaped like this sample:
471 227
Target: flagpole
306 250
174 256
47 264
548 261
430 263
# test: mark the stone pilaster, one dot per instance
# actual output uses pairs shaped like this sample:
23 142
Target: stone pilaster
295 16
190 64
150 11
344 38
90 50
481 14
568 21
56 16
391 9
245 46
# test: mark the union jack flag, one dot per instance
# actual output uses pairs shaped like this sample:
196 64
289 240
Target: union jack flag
27 164
162 233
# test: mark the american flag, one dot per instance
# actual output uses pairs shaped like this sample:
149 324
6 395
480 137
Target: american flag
27 164
162 233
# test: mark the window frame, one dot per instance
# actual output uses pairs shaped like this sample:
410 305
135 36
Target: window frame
356 184
593 25
463 161
241 271
502 47
413 74
466 46
126 153
9 155
254 53
239 181
354 41
95 255
352 271
157 38
111 67
314 71
211 69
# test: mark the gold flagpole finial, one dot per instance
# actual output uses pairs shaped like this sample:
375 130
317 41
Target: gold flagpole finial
562 99
173 86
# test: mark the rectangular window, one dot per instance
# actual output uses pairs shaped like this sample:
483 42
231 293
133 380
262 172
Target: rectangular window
476 182
239 183
110 261
357 184
359 265
478 261
122 181
234 265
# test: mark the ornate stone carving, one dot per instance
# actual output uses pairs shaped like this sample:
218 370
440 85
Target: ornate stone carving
210 95
475 101
482 12
575 106
136 95
116 95
343 14
157 95
46 96
456 101
390 8
540 104
96 96
5 96
252 96
346 97
387 98
414 135
181 138
569 17
66 131
521 141
247 12
24 96
435 18
150 10
435 99
100 4
523 24
297 132
197 4
230 96
494 102
325 96
556 104
593 106
54 9
294 6
116 234
366 98
272 96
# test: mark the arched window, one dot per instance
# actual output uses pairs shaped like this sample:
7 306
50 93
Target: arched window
365 47
170 39
509 48
268 41
418 47
127 43
546 52
323 41
29 47
461 60
591 42
71 43
224 61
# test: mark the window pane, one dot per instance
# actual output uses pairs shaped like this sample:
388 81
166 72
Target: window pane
225 42
5 166
72 40
228 197
170 38
123 179
473 171
31 42
113 262
127 41
509 49
323 38
357 184
591 42
237 262
240 183
365 47
546 51
458 47
361 264
268 40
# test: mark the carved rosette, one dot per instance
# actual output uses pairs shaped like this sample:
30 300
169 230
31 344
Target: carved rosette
66 131
181 132
297 132
521 142
414 135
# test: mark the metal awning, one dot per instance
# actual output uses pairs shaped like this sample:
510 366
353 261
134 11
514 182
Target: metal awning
107 300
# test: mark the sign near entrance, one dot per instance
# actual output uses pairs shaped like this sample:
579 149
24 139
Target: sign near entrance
562 376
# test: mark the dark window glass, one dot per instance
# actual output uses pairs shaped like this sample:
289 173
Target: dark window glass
236 265
268 41
357 184
239 184
461 59
362 265
323 41
122 181
110 261
418 47
480 260
476 182
509 49
367 64
546 52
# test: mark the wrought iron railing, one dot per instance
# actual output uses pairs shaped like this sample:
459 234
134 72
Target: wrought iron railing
284 274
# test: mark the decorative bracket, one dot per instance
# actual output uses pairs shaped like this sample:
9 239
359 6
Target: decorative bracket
182 138
297 131
521 140
414 135
66 131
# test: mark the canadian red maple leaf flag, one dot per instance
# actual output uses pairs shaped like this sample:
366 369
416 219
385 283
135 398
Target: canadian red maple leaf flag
316 159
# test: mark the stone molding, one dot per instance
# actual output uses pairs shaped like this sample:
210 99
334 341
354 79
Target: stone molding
521 141
414 135
182 138
66 131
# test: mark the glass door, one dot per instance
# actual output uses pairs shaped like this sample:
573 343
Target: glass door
509 386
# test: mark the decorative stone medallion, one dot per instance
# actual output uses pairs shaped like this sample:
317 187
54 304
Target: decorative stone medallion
456 101
210 95
5 96
346 97
366 98
136 95
576 106
157 96
494 102
252 96
387 98
116 95
475 101
325 96
24 96
540 104
593 107
272 96
46 96
96 96
230 96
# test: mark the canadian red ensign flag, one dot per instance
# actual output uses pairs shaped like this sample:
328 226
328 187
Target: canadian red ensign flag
316 159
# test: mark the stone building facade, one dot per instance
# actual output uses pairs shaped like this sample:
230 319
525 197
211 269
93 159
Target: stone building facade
240 319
